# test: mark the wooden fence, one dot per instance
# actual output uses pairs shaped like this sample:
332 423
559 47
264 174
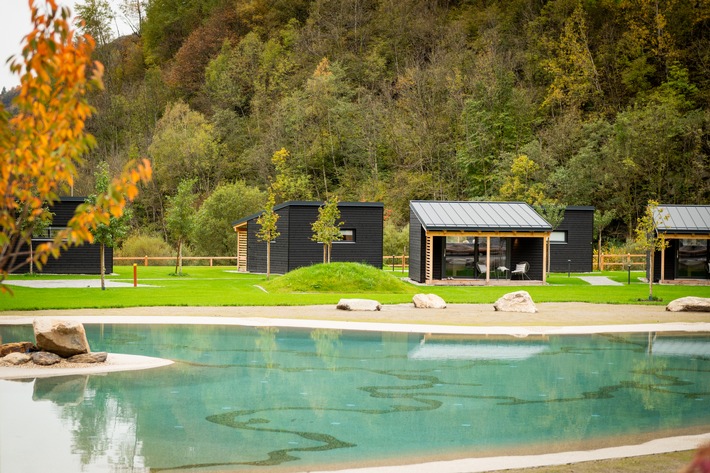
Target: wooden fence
146 259
621 262
401 262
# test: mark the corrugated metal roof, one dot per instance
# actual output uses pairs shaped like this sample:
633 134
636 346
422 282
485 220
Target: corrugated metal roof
683 218
478 216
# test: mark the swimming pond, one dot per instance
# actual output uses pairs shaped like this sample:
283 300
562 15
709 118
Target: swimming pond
269 399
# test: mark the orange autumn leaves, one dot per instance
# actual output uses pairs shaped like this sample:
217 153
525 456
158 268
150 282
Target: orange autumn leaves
43 143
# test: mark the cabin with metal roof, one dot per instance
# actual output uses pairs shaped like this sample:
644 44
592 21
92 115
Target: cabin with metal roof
362 232
686 229
476 241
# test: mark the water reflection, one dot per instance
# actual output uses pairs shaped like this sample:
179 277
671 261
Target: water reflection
263 399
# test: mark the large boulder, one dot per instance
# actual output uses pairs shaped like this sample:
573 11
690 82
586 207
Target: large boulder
519 301
65 338
689 304
428 301
16 347
358 305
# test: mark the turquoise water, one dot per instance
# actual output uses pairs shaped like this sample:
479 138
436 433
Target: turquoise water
243 399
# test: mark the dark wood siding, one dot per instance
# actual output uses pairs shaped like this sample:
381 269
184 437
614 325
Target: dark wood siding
416 248
84 259
294 247
579 225
256 249
530 250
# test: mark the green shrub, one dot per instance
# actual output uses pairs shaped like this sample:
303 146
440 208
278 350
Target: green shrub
140 245
340 278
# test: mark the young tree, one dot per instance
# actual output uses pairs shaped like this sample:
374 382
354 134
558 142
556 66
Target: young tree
44 141
267 230
326 229
648 239
180 218
107 234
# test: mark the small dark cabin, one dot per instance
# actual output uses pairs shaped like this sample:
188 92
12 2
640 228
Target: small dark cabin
84 259
571 247
362 231
686 228
475 240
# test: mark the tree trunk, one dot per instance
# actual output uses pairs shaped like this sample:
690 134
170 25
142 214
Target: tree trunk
599 252
103 267
650 277
325 253
178 261
268 259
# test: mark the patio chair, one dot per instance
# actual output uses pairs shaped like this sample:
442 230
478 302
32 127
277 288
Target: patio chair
482 270
521 269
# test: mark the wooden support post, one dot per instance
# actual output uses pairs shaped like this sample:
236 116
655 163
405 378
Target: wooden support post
663 260
145 260
429 272
488 259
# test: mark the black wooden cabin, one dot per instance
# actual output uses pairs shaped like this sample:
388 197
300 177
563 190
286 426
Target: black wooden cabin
686 229
451 241
84 259
362 230
571 245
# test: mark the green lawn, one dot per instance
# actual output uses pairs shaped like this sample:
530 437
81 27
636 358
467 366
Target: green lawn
221 286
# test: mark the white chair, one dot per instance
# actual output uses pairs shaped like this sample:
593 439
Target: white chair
482 270
521 269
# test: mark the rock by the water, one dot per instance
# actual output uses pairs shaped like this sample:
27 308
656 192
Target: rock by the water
17 358
94 357
428 301
689 304
45 358
519 301
16 347
64 337
358 305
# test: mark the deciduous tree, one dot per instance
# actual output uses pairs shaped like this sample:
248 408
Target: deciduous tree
326 229
44 141
180 218
107 234
267 229
648 238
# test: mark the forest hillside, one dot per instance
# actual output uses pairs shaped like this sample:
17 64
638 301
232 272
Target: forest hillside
576 102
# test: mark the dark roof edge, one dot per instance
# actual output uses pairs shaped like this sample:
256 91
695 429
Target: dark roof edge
580 207
307 203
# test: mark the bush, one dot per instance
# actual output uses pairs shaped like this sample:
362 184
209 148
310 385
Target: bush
140 245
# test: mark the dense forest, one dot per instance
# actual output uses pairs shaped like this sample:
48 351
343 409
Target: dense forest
577 102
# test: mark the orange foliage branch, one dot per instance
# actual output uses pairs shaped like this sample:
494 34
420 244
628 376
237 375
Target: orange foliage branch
42 145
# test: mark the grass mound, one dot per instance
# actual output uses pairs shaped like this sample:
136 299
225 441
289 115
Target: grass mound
338 277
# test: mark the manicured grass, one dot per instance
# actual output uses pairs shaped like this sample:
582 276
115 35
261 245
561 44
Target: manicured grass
222 286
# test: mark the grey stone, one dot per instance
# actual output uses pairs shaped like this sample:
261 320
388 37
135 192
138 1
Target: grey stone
16 347
94 357
17 358
45 358
428 301
519 301
689 304
63 337
358 305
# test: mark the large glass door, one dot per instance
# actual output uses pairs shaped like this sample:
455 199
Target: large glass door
466 256
692 259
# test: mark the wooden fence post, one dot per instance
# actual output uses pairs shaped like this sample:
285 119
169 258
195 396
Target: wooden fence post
145 260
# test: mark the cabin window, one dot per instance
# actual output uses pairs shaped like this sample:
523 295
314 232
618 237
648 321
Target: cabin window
348 235
558 237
